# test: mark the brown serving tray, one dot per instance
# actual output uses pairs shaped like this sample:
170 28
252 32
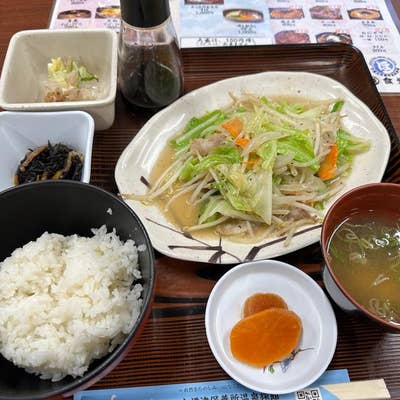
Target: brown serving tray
173 347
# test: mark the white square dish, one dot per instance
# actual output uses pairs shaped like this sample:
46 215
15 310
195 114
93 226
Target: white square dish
25 70
21 131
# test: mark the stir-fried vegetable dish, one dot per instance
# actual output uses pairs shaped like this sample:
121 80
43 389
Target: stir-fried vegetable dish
259 165
364 253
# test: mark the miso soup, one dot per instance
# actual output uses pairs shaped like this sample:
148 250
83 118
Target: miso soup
364 253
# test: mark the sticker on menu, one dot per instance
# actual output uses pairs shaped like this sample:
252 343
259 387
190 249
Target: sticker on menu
384 66
385 72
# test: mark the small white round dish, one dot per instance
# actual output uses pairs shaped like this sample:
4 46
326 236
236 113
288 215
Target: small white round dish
302 295
137 161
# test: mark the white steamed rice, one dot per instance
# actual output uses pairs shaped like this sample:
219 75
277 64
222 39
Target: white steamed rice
66 300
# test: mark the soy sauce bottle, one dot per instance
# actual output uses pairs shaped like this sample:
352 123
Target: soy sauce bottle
149 64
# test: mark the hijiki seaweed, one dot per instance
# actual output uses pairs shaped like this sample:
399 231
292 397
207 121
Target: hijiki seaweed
50 162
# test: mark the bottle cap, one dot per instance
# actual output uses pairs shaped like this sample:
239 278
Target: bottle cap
144 13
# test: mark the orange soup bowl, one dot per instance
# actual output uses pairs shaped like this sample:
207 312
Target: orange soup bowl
367 204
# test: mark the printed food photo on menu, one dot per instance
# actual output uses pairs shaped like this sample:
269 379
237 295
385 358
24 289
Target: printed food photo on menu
365 13
243 15
108 12
329 37
204 1
291 37
286 13
70 14
325 12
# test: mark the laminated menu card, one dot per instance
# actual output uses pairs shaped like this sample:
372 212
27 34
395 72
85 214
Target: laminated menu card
81 14
366 24
216 390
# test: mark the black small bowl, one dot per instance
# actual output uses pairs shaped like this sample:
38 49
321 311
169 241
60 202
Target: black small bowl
68 207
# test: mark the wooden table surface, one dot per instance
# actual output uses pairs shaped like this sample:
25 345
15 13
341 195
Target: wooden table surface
173 347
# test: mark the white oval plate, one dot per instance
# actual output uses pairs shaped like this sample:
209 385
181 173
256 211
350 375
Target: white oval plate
138 159
302 295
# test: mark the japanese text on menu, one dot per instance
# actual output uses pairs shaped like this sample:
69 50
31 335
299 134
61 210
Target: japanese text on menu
366 24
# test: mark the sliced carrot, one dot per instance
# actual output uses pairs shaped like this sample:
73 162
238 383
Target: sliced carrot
262 301
265 337
253 160
242 142
328 166
234 126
